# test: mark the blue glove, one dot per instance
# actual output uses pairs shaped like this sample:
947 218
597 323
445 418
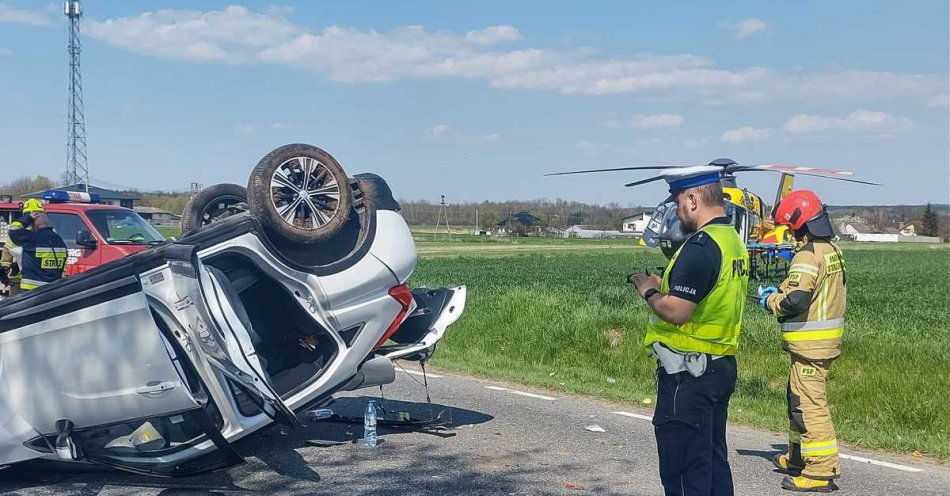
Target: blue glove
764 296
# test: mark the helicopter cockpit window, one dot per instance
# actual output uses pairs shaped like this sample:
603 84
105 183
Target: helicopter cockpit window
664 225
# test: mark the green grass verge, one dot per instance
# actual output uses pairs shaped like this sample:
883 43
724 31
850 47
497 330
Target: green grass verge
169 232
566 320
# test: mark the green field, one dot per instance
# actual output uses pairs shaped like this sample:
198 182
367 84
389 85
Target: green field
557 314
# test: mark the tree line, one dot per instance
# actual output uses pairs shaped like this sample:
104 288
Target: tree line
933 220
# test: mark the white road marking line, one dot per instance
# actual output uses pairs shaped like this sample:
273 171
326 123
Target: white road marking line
413 372
521 393
842 455
880 463
635 415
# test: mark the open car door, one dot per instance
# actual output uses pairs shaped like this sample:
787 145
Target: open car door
436 310
218 340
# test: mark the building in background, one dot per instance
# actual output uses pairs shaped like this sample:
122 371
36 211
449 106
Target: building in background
857 229
635 223
158 217
584 232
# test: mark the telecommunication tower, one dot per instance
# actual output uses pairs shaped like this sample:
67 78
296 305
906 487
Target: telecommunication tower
77 168
443 214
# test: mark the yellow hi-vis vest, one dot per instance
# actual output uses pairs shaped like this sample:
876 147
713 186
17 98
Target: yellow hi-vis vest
714 325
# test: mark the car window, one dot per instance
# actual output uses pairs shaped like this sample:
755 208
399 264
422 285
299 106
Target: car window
67 225
124 227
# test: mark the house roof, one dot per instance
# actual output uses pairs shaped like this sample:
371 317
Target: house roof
105 194
523 218
640 215
858 225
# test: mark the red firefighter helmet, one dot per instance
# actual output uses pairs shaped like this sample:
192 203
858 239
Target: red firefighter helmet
803 209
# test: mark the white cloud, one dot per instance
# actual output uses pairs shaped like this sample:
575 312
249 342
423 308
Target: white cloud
484 139
939 101
658 121
745 134
237 35
493 34
859 120
252 128
440 131
9 14
445 131
5 52
641 121
746 28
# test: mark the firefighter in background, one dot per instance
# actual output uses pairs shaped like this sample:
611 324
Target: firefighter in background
10 258
810 306
42 253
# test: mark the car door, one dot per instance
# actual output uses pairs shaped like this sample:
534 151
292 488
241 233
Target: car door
217 339
90 353
94 357
436 310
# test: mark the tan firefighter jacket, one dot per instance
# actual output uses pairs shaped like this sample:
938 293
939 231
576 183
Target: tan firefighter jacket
810 303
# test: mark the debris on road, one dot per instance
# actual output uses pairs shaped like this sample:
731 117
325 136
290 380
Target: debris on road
319 414
595 428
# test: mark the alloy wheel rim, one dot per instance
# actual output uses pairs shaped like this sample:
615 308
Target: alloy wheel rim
221 208
304 193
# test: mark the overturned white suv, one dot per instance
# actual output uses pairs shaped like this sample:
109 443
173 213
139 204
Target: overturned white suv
280 295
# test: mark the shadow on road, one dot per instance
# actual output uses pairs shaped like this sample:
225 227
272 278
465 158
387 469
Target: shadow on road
286 461
765 454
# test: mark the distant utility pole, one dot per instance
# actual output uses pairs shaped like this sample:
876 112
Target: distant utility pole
195 189
77 168
443 212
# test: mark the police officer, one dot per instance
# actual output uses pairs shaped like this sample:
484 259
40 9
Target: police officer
810 307
694 333
43 253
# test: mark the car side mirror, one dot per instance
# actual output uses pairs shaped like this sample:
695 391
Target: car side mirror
85 239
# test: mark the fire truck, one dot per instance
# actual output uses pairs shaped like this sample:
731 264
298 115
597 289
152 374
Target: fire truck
94 233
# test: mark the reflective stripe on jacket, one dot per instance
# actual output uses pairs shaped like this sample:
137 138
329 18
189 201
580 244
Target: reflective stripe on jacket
810 303
43 256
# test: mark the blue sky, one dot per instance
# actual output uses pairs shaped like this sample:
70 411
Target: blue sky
477 100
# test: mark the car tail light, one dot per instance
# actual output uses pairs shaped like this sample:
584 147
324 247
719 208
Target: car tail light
403 295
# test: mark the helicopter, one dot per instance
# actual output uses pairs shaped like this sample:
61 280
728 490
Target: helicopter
770 245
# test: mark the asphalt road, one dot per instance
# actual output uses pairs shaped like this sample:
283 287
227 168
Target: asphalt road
509 440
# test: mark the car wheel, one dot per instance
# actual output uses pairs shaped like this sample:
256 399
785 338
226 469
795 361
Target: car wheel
300 193
213 204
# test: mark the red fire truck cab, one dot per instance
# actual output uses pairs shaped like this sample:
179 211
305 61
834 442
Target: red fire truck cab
94 234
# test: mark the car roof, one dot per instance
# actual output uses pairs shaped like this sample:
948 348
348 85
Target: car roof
65 207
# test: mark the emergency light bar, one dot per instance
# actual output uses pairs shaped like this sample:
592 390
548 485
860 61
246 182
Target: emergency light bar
61 196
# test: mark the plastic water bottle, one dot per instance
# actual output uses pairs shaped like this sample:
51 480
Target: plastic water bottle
369 425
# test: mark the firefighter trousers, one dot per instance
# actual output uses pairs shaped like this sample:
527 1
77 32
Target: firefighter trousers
811 437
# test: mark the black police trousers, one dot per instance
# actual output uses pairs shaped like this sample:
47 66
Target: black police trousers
690 426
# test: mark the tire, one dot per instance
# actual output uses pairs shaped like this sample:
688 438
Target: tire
212 204
273 193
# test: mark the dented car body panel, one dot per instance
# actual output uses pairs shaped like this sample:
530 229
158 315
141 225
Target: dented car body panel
155 363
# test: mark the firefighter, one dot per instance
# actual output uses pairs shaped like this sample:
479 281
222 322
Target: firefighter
694 333
10 259
42 253
810 306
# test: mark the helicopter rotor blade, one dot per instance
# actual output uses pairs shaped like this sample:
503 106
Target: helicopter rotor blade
614 169
644 181
803 173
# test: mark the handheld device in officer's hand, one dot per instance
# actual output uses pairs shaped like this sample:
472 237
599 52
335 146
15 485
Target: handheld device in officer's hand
659 273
